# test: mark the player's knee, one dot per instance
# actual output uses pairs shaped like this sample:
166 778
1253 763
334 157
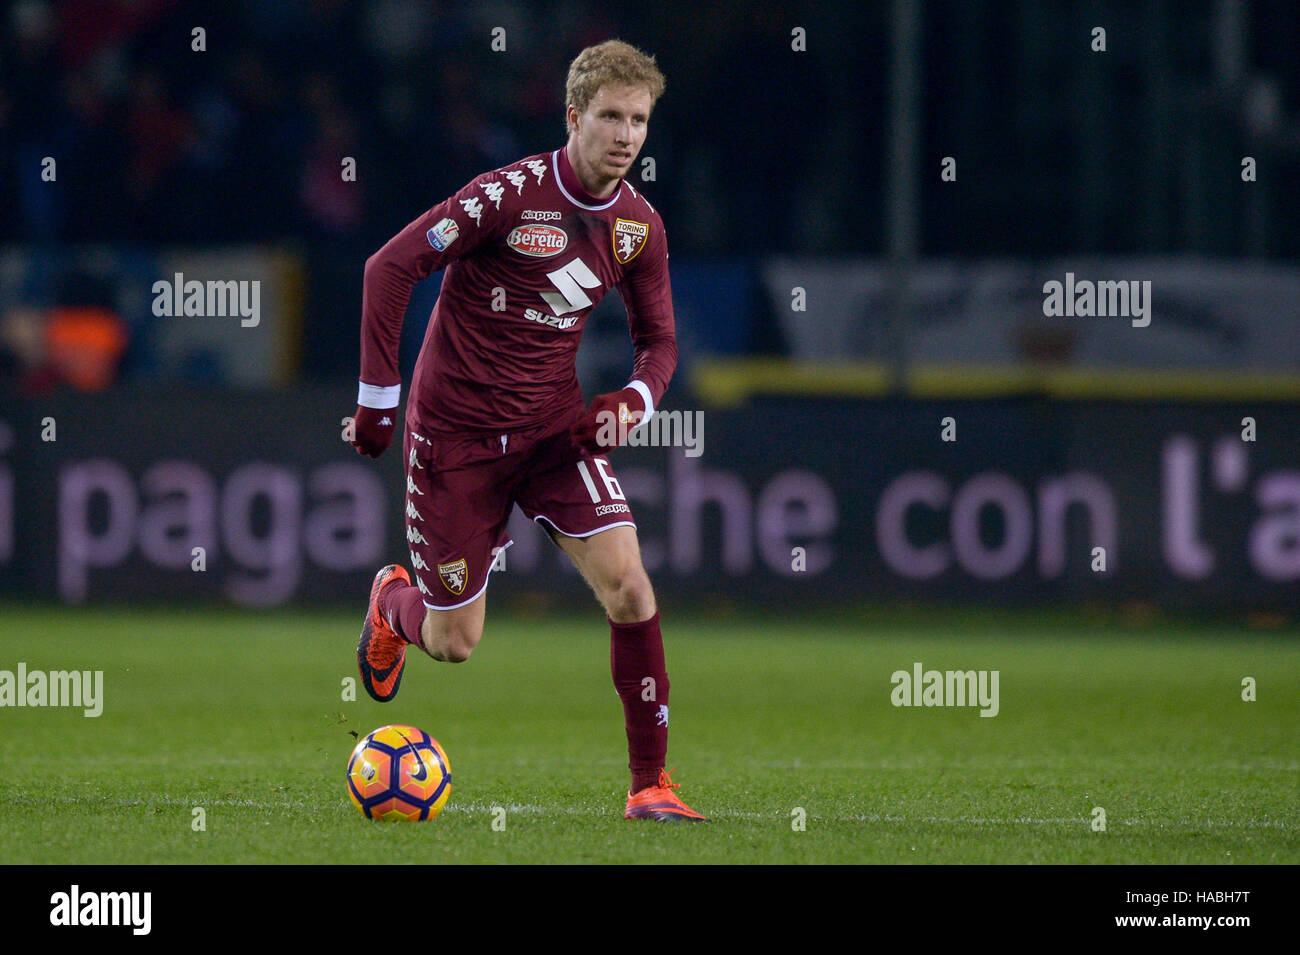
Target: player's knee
452 652
450 640
628 596
452 649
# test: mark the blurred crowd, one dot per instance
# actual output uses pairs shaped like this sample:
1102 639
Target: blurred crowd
185 123
243 140
1057 146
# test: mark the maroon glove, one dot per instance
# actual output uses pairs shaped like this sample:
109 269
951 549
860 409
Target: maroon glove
604 426
373 430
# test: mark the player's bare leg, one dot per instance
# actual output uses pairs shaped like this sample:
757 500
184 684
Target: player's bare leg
451 635
610 561
396 618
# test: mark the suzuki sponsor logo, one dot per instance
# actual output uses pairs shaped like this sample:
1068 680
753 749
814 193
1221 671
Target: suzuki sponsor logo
552 321
538 241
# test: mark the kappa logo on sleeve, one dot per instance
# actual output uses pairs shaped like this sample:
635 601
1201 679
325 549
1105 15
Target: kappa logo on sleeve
537 168
473 208
443 234
494 192
517 179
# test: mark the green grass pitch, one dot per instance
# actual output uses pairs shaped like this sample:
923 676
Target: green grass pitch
242 714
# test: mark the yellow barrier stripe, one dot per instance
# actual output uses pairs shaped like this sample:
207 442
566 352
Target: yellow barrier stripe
731 382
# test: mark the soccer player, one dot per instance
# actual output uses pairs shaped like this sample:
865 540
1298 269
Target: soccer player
495 414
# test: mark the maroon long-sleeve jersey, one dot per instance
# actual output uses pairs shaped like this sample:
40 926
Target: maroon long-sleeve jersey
528 254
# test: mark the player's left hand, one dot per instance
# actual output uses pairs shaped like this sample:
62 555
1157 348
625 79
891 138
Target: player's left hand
374 430
604 426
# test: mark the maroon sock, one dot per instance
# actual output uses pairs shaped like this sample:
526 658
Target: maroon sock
636 657
403 606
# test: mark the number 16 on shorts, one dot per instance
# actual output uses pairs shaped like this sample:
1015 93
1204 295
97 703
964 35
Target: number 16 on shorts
614 501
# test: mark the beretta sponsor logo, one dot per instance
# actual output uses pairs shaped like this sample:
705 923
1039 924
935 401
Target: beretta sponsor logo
538 241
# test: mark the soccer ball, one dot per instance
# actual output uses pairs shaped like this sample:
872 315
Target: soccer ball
399 773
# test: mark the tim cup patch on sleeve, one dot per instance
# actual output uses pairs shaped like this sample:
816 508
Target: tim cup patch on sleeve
443 234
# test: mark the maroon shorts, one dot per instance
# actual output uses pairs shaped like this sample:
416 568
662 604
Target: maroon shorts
460 493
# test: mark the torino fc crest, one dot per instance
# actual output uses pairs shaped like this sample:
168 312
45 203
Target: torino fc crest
454 575
629 238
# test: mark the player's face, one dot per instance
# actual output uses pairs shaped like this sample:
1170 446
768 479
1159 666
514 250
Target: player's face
608 135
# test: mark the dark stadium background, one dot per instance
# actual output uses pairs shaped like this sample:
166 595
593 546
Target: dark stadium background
905 458
781 173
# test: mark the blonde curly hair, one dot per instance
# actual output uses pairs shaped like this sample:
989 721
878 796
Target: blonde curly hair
612 63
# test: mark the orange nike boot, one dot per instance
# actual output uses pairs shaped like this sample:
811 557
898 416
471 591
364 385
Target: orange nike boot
661 803
381 653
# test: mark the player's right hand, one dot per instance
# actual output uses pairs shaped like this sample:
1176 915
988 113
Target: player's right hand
373 430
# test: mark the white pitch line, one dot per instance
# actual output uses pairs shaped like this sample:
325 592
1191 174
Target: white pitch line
487 809
481 808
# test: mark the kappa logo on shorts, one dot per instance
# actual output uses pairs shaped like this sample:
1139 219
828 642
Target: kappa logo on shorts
454 575
629 239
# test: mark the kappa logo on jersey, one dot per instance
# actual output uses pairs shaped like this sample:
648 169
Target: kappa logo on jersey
629 239
494 192
538 241
537 168
517 179
414 536
473 208
454 575
544 215
411 512
411 488
443 234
